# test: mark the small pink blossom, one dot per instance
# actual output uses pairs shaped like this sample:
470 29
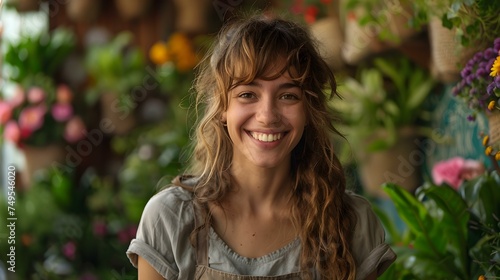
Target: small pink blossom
31 119
36 95
62 112
100 229
69 250
64 94
455 170
5 112
18 98
12 132
75 130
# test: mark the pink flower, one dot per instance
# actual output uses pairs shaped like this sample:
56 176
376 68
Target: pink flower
75 130
100 228
472 169
69 250
36 95
18 98
31 119
12 132
62 112
455 170
5 112
64 94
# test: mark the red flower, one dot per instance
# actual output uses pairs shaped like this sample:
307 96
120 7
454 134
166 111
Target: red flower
311 14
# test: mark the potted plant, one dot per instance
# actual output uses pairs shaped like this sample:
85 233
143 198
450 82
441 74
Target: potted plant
379 113
39 116
114 69
450 234
479 89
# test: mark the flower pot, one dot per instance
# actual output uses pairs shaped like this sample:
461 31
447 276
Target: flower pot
24 5
399 164
37 159
494 127
328 34
119 117
191 15
447 55
83 10
131 9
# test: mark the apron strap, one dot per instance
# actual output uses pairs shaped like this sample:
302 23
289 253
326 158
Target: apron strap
201 235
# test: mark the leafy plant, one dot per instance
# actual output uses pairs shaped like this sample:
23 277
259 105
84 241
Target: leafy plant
385 98
114 67
35 54
476 21
450 234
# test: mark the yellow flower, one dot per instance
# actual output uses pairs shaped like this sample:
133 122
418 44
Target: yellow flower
486 139
488 150
495 69
497 156
491 105
481 277
159 53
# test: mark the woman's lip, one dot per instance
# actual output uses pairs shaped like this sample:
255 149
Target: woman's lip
266 137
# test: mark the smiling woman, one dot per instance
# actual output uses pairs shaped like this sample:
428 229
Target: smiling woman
266 195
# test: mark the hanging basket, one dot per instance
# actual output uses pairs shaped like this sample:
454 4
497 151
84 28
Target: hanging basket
494 127
132 9
23 5
191 15
328 34
447 55
37 159
83 10
399 164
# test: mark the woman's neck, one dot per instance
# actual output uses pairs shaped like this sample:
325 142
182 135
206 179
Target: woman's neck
260 190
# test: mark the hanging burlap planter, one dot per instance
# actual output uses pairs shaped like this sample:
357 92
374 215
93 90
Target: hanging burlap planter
447 55
328 34
24 5
131 9
494 127
399 164
192 15
85 11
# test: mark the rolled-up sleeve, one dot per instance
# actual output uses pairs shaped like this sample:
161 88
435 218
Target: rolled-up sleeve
162 237
369 248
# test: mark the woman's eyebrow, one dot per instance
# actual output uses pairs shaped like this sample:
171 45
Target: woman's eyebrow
286 85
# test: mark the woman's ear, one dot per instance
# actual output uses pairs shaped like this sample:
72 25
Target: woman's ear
223 118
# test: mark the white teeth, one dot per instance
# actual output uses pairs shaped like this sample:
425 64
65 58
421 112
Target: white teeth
266 137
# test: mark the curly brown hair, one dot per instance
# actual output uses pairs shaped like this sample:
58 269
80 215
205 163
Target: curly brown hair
246 48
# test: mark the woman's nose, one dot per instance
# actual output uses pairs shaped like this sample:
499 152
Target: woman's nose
268 112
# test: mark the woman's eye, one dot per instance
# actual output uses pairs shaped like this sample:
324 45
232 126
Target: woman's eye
289 96
246 95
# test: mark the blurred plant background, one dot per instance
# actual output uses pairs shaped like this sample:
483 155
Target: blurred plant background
125 70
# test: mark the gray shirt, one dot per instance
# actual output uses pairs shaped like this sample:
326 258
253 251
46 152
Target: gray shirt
168 219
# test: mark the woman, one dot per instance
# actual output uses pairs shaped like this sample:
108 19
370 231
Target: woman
269 194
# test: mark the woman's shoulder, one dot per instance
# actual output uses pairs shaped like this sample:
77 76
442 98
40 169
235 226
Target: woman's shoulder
174 203
358 202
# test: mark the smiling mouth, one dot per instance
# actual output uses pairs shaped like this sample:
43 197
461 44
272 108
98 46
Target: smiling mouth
267 137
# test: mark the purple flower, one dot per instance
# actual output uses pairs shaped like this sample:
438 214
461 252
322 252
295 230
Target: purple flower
471 118
478 57
473 92
470 79
490 53
497 81
496 44
466 71
481 72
